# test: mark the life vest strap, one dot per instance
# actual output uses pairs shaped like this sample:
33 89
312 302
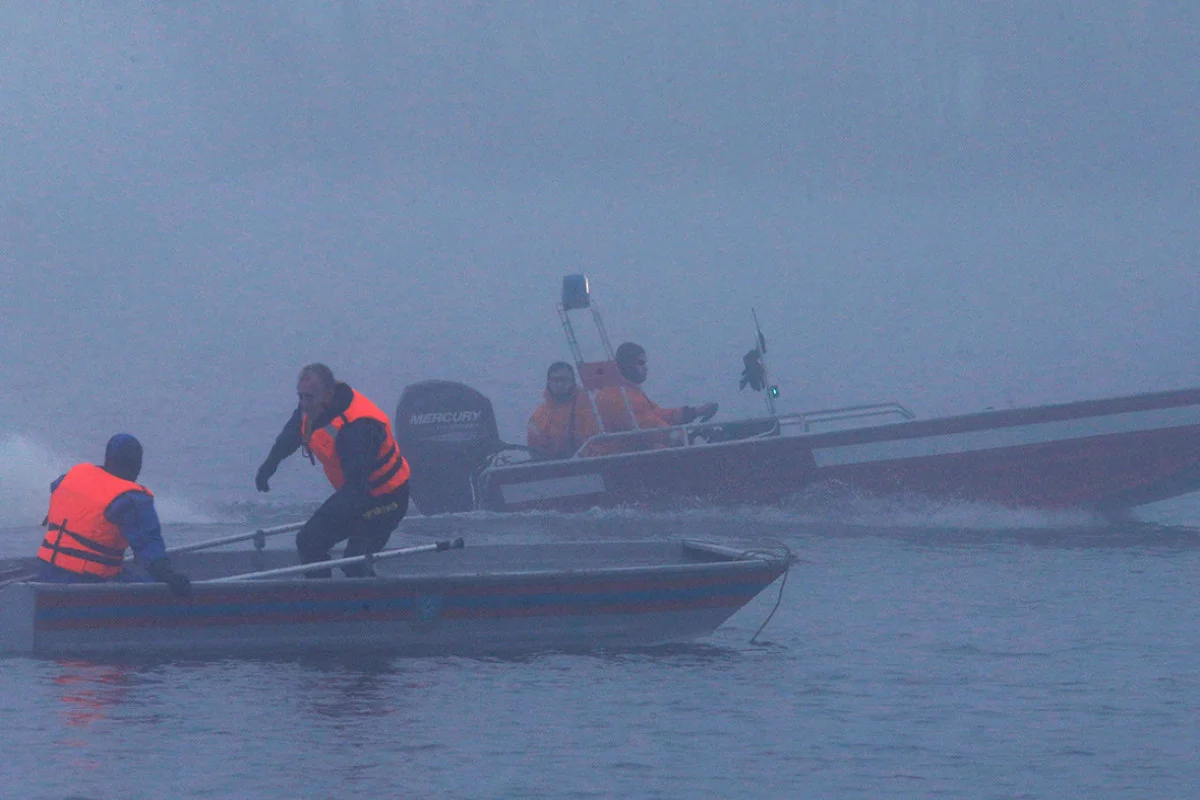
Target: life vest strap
83 555
101 550
383 479
385 459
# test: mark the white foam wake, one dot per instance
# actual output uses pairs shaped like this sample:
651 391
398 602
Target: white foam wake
176 510
841 506
26 470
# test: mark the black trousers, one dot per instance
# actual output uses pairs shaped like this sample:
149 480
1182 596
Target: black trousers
365 530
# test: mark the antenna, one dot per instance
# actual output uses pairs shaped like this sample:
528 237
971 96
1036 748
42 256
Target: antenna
754 371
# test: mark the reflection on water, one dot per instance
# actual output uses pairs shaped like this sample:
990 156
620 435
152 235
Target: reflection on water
88 692
85 695
346 685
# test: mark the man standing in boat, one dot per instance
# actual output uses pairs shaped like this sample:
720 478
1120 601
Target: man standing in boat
96 513
615 404
352 438
565 420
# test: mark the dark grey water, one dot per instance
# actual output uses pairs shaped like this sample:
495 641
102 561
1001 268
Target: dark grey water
981 660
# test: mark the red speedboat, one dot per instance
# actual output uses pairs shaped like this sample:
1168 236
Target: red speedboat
1103 455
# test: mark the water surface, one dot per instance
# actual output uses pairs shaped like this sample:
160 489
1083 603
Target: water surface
903 660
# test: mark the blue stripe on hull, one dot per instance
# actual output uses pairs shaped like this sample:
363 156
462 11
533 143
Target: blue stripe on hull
287 605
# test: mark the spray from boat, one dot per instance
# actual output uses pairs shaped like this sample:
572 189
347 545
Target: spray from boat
28 467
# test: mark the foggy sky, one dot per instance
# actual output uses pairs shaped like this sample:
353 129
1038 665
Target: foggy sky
953 205
838 90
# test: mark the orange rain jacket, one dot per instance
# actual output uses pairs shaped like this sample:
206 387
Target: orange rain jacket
556 430
615 416
79 538
390 470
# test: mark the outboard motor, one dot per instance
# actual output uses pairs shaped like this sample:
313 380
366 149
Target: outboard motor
447 431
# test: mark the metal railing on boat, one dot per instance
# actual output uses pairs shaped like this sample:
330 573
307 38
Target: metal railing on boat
807 419
707 433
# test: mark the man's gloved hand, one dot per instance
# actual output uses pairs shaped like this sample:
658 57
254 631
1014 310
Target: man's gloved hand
702 413
162 572
264 475
179 584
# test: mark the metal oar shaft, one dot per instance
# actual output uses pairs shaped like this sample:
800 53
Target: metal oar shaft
15 576
369 558
240 537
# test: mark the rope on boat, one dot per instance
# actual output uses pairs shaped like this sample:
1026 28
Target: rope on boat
790 559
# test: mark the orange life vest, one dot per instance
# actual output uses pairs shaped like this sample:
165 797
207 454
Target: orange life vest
389 471
79 539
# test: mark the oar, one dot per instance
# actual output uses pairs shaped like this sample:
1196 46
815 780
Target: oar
240 537
20 575
15 576
368 559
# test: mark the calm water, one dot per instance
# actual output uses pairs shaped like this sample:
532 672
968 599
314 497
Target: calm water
184 185
977 660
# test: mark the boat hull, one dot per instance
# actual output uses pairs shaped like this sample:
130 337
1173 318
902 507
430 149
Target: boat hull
1105 455
506 598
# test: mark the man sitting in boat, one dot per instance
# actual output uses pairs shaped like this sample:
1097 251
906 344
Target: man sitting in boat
95 514
352 438
565 420
611 402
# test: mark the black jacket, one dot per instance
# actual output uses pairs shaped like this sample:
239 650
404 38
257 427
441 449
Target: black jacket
358 444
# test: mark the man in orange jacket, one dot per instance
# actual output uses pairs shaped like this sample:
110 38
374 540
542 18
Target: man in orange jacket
352 438
95 514
615 414
565 420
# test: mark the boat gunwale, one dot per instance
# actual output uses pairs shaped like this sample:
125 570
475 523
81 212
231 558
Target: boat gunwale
732 561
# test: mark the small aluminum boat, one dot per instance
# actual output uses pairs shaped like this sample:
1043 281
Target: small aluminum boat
427 600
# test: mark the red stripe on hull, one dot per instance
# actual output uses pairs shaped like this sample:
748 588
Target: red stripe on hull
1111 471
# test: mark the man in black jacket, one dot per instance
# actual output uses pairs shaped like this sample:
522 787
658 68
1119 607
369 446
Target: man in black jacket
352 438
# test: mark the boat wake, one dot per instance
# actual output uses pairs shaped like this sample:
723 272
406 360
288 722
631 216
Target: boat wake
26 470
835 502
28 467
827 504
